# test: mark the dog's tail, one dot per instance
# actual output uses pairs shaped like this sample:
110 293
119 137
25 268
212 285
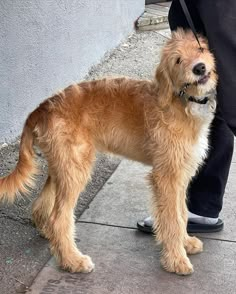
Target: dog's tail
22 178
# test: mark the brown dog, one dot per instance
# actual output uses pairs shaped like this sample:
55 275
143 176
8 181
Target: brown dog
163 123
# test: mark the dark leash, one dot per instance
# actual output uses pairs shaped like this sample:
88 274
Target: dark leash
190 21
192 27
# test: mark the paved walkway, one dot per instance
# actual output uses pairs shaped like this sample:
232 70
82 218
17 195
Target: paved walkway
155 17
127 261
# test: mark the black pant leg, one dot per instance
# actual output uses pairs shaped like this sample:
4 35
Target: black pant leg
177 17
207 188
206 191
219 20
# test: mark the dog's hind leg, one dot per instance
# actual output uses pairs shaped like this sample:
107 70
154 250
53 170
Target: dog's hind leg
43 205
168 222
70 169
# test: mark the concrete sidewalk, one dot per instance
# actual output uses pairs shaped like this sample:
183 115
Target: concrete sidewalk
127 261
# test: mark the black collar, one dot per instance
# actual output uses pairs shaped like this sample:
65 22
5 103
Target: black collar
186 98
202 101
182 94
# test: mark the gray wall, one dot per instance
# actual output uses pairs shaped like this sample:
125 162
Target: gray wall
47 44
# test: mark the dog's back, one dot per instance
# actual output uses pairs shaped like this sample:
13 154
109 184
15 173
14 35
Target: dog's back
108 112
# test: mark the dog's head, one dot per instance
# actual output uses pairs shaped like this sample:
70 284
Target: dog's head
185 67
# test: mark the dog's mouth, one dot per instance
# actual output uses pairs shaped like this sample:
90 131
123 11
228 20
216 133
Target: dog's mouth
201 81
204 79
197 99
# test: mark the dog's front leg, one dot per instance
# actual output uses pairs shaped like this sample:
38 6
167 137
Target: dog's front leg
169 225
192 244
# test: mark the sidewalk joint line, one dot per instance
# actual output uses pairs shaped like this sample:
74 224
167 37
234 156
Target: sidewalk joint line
107 225
133 228
217 239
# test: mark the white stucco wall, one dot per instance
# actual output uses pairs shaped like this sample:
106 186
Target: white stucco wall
47 44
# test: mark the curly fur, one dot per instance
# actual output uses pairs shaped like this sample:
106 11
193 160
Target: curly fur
142 120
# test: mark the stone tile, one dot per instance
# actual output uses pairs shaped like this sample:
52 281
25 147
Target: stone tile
127 262
156 12
148 22
158 7
165 4
151 15
155 27
143 21
153 18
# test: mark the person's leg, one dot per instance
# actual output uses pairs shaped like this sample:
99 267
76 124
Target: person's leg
205 195
218 18
207 189
177 19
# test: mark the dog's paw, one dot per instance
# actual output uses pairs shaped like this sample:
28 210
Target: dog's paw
180 265
80 264
87 265
193 245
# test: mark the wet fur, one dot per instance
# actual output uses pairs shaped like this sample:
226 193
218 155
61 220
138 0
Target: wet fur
144 121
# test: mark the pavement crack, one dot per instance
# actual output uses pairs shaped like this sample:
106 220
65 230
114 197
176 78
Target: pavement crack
23 221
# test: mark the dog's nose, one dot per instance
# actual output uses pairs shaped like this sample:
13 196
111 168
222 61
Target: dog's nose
199 69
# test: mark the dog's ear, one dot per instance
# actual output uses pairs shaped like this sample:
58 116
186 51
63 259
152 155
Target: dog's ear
164 85
178 34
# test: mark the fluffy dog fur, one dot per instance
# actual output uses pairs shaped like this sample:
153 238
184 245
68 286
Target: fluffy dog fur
145 121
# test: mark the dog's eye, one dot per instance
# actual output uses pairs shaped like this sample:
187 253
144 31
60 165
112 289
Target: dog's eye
178 60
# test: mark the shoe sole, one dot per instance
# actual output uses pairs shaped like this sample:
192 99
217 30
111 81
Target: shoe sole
191 227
